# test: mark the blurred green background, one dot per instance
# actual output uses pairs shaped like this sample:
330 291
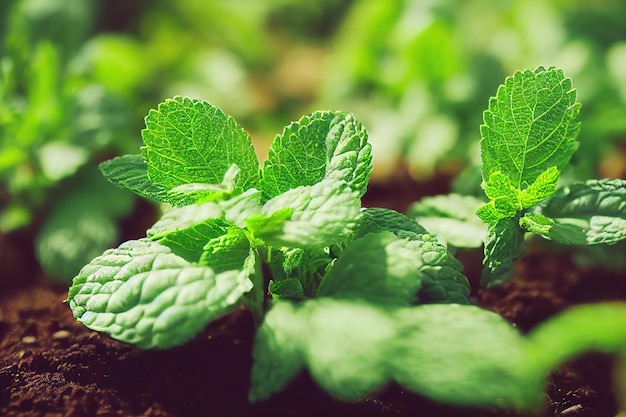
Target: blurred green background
78 76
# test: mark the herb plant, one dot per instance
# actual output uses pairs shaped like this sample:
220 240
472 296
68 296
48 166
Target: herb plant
358 296
528 137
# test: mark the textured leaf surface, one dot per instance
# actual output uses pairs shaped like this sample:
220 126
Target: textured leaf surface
186 230
192 142
131 172
227 251
321 145
142 293
502 247
384 269
374 220
583 214
530 126
308 216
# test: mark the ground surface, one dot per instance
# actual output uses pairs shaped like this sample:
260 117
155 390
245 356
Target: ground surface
51 366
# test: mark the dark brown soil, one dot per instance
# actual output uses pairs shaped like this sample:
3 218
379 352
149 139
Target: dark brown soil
51 366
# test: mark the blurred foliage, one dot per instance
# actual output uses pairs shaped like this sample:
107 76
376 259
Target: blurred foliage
421 83
77 76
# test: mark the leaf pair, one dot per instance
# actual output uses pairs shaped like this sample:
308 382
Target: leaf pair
191 148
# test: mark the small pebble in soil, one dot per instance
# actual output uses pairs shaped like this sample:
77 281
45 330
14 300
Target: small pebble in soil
572 410
29 340
60 334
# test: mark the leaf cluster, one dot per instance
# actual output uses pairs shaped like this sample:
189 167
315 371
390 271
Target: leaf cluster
300 216
357 296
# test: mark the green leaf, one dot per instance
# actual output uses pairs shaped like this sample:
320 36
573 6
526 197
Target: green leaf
277 354
346 347
202 193
186 230
81 224
504 199
238 208
374 220
142 293
502 247
59 160
379 267
583 214
351 348
597 327
543 187
307 266
131 172
289 289
308 216
321 145
227 251
452 218
569 234
530 126
463 355
382 268
442 280
192 142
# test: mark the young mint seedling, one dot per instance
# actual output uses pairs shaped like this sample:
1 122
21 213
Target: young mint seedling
359 297
301 215
528 137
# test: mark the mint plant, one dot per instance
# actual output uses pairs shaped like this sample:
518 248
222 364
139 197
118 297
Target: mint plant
358 296
528 137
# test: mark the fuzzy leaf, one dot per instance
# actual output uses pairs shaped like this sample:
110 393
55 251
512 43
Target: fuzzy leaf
346 347
530 126
142 293
463 355
72 235
380 268
192 142
321 145
308 216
